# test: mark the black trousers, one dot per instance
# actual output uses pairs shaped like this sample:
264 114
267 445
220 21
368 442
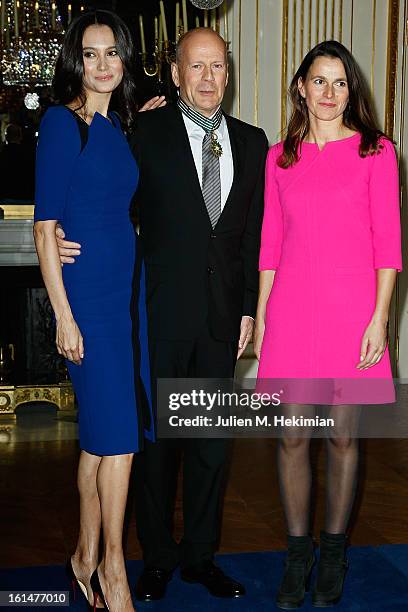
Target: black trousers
204 461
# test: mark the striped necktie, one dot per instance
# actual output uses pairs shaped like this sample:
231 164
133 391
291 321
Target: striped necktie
211 174
211 181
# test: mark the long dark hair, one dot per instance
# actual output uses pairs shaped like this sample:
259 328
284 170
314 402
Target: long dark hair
359 114
69 70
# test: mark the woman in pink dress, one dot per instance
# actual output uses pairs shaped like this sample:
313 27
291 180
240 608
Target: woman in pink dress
330 252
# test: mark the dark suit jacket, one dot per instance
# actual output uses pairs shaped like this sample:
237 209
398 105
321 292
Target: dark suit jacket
195 273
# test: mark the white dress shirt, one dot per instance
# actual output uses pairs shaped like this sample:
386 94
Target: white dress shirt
196 136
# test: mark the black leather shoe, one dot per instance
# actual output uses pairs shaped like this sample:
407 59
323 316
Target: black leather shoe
212 577
152 584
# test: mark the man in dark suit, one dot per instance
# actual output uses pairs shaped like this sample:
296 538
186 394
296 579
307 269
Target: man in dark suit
200 222
200 204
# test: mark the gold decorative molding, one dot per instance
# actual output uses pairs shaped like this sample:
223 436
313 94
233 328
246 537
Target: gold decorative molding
373 33
284 84
18 211
294 37
333 15
341 21
392 58
62 395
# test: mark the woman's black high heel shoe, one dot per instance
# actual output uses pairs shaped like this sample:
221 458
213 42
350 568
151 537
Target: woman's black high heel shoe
75 583
331 570
298 569
97 590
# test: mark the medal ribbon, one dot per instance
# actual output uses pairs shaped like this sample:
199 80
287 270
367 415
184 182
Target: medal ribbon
207 124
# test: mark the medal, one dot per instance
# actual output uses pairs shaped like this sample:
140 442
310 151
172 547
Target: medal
216 147
208 125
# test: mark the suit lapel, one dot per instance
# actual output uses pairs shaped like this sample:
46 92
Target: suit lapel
184 157
238 150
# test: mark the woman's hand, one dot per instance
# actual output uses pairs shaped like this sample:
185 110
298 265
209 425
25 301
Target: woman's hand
373 344
258 336
69 340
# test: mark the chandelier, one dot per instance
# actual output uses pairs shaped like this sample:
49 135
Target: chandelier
31 37
206 4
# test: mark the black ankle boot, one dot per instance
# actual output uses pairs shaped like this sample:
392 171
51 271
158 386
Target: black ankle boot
298 567
331 570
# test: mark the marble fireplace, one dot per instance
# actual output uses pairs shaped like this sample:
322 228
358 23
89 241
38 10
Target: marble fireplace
30 368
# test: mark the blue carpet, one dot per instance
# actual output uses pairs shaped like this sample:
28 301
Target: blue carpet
377 581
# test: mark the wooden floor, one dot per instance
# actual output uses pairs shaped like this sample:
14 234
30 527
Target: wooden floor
39 505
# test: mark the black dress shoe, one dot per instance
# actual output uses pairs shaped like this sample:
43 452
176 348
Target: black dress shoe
212 577
152 584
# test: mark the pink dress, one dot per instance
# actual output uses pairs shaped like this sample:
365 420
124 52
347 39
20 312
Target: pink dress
330 222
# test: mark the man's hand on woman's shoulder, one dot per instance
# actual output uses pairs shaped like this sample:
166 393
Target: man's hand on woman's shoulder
156 102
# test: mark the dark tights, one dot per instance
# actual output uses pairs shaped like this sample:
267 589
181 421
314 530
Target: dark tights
295 477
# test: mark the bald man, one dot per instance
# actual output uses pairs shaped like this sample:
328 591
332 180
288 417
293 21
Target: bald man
200 204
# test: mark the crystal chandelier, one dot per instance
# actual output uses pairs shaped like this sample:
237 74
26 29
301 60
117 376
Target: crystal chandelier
31 37
206 4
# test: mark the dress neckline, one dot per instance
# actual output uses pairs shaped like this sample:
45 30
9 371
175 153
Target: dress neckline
109 119
331 142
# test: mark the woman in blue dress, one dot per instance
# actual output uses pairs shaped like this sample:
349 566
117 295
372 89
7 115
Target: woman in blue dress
85 179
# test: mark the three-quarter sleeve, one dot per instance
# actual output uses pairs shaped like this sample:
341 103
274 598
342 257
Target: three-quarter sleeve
385 208
272 225
59 145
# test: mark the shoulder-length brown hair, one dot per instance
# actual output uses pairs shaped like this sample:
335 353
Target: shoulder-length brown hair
359 114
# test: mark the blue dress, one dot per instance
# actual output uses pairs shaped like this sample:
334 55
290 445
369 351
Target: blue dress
89 189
